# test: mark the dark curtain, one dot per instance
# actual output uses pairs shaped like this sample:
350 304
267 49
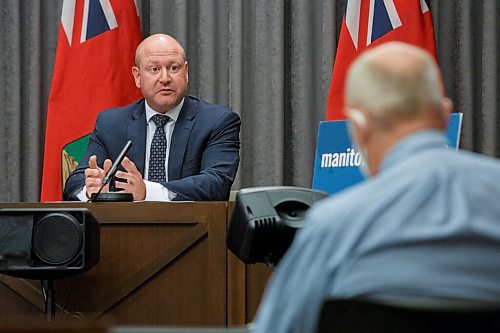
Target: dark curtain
269 60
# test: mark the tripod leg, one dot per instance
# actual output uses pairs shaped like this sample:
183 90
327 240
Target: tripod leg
50 301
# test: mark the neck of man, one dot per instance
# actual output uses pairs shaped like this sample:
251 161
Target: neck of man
383 140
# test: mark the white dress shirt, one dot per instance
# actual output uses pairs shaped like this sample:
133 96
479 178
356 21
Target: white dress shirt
156 191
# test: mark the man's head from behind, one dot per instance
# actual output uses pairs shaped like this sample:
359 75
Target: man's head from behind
161 71
393 90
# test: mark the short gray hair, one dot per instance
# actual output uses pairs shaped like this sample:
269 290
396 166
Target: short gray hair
390 92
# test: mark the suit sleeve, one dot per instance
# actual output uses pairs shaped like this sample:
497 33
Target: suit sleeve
218 166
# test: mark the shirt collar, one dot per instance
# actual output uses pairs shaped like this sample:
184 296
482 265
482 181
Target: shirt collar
173 114
414 144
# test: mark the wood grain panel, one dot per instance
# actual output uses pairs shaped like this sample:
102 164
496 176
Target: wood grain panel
161 264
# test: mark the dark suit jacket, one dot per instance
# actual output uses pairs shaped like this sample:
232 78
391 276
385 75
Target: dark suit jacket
204 152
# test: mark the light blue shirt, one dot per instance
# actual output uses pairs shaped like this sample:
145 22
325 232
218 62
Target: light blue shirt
427 226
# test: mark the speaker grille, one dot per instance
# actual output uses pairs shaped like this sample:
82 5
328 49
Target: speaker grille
57 238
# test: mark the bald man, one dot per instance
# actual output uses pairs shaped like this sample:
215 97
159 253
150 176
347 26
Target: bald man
183 148
424 225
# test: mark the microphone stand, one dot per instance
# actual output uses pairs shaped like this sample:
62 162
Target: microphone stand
111 195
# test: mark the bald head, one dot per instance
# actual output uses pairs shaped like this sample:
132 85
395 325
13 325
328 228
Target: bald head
161 72
394 82
392 91
150 43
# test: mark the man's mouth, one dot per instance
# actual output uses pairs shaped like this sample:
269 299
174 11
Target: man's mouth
166 91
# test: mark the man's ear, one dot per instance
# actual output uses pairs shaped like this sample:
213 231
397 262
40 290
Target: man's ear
447 109
359 126
136 74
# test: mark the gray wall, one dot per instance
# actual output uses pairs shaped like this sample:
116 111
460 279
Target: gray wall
269 60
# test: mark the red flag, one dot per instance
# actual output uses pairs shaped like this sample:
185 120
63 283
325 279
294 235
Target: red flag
368 23
92 72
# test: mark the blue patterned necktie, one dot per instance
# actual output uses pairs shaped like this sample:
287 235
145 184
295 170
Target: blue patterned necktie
158 152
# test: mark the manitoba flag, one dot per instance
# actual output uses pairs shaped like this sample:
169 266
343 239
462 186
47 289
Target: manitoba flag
371 22
92 72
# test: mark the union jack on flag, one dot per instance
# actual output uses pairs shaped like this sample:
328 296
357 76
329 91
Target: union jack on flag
98 17
371 22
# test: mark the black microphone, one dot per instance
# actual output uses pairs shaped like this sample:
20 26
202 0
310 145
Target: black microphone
111 173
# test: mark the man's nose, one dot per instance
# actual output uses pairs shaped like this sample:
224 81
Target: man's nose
165 76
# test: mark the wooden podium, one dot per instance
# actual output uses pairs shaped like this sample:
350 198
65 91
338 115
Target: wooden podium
161 264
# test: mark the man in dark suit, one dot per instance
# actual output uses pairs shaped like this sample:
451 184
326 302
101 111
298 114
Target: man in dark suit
183 147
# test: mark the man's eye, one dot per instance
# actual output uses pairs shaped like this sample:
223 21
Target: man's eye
173 69
154 69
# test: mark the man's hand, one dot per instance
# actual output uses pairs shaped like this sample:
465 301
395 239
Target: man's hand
135 184
94 176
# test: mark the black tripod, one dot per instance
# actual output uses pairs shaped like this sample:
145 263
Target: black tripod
49 299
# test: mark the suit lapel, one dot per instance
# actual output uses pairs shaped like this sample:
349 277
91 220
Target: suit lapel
136 132
180 137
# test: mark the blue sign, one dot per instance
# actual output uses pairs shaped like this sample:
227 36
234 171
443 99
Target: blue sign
337 160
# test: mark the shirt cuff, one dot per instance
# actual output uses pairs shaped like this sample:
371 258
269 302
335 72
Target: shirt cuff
82 195
158 192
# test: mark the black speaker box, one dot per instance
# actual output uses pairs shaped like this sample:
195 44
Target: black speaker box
48 243
265 219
